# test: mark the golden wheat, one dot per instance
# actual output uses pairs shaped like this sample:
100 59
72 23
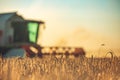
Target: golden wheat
52 68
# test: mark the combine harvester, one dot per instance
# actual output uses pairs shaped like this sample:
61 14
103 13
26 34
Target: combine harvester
18 37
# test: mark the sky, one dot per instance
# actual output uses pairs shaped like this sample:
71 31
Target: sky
86 23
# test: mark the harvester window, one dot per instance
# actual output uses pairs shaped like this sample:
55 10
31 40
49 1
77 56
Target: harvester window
1 32
33 29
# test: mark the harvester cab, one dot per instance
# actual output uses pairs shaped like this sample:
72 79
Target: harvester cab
26 31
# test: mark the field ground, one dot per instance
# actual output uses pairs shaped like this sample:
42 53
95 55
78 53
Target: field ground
52 68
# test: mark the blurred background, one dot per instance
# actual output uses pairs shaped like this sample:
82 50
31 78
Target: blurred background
91 24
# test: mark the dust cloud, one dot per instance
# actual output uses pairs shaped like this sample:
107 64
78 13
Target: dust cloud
90 41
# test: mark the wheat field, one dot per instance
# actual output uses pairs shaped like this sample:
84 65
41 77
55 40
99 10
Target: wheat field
52 68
